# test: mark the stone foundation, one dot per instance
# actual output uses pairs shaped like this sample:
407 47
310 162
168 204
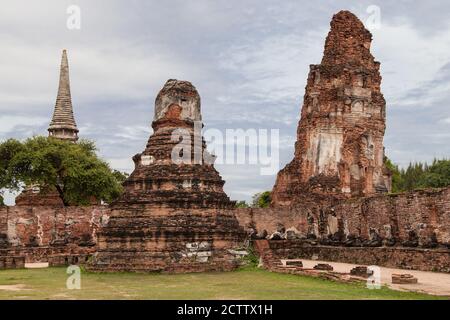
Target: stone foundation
437 260
169 240
12 262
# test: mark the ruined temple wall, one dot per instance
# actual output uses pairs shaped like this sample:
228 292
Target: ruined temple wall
270 218
422 212
46 233
51 226
426 214
3 219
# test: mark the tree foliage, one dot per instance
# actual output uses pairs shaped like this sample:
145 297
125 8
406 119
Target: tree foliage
241 204
120 176
261 200
74 170
420 175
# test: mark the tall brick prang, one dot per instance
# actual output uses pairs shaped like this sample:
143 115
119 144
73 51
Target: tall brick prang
339 150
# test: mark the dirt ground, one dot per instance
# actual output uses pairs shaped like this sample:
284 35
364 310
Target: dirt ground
428 282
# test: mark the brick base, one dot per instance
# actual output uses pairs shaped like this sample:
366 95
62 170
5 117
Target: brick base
437 260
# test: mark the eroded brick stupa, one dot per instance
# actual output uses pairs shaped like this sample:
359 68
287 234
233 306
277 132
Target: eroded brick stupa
339 150
174 215
173 170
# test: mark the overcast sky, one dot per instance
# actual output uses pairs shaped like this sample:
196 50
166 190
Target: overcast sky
248 59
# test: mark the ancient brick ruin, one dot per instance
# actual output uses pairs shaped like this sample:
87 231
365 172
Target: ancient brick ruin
186 179
325 202
404 231
174 216
329 203
54 234
339 150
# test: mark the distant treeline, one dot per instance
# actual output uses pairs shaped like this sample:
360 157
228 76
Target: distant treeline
420 175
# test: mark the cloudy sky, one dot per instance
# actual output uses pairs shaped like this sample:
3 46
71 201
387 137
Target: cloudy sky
249 60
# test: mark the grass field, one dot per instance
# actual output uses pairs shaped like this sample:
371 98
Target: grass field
248 283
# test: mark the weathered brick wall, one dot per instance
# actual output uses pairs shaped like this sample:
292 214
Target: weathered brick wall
3 218
57 235
11 262
422 212
420 218
417 220
270 218
51 226
3 226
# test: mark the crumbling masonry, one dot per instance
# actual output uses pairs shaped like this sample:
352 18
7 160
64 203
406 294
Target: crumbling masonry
329 203
174 216
339 150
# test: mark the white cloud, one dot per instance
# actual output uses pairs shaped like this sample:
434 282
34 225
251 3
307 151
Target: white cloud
410 59
273 69
447 120
122 164
9 123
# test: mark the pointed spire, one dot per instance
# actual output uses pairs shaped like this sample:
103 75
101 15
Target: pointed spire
63 124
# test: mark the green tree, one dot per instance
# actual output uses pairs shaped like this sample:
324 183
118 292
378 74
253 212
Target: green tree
73 170
437 175
261 200
241 204
120 176
2 203
420 175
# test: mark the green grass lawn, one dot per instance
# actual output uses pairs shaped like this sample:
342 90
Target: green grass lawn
248 283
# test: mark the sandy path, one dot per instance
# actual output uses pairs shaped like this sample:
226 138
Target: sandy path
429 282
36 265
13 287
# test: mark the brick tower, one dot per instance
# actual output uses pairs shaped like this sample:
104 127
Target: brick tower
63 124
339 150
173 216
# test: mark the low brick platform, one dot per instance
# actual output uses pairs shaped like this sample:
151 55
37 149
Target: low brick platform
360 271
437 260
12 262
16 257
404 279
323 266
